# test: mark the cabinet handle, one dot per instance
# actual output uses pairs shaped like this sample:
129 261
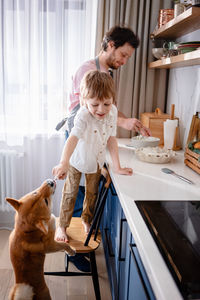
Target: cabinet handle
139 271
111 254
120 240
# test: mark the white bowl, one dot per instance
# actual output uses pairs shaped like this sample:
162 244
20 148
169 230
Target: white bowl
144 141
155 155
157 52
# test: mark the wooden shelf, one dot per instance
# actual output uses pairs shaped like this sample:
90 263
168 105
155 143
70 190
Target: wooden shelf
186 22
182 60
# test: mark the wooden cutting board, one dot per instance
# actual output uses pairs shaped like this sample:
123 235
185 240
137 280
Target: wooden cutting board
154 121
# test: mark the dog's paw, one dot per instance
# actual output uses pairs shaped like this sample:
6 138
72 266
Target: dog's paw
21 291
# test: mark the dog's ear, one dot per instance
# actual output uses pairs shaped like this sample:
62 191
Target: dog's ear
43 226
15 203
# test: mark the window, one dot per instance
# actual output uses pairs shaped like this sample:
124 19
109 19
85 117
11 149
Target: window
43 43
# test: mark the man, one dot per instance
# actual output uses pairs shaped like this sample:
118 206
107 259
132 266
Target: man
118 46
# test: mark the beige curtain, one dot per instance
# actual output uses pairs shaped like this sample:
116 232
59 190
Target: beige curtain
139 89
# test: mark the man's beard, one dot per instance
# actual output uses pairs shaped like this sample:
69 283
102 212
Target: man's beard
111 63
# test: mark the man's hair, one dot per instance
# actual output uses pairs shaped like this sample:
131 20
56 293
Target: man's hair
120 36
96 84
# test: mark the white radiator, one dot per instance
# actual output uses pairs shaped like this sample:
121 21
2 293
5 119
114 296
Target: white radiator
11 173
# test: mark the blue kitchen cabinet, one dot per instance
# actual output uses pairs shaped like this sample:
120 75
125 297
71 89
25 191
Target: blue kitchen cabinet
110 234
125 238
139 287
127 275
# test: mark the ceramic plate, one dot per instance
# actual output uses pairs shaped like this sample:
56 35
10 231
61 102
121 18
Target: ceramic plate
196 42
188 46
185 50
155 155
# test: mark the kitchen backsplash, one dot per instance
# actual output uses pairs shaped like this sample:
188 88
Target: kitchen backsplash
184 91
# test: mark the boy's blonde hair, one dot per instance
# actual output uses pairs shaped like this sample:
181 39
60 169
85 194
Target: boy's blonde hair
96 84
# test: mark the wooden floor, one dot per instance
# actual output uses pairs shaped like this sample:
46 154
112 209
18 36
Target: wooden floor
61 288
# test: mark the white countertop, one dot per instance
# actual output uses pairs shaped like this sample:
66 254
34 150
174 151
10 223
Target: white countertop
149 183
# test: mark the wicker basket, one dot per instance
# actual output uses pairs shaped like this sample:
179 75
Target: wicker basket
192 160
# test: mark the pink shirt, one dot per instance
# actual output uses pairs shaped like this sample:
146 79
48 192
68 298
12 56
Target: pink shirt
76 80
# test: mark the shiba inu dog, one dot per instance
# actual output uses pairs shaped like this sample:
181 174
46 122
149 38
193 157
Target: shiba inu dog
31 239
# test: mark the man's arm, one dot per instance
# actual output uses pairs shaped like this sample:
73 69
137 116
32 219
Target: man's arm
132 124
113 149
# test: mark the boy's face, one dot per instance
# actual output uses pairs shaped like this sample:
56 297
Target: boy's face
99 108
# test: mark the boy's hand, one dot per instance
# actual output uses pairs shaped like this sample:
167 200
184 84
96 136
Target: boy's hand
124 171
60 171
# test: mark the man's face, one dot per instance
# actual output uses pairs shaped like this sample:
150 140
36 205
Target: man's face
118 57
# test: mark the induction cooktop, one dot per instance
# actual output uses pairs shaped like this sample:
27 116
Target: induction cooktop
175 227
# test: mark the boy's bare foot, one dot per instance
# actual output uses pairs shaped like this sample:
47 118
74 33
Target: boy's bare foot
60 235
86 226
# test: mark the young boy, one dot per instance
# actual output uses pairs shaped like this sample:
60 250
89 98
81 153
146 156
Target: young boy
85 150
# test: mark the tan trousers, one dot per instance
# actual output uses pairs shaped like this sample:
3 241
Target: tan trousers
69 194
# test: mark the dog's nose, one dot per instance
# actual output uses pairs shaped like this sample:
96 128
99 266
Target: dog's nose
50 182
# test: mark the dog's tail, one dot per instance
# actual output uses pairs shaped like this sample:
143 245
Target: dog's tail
21 291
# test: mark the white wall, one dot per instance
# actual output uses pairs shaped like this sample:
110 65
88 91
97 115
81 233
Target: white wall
184 91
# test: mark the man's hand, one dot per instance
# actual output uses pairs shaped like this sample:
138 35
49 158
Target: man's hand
133 124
